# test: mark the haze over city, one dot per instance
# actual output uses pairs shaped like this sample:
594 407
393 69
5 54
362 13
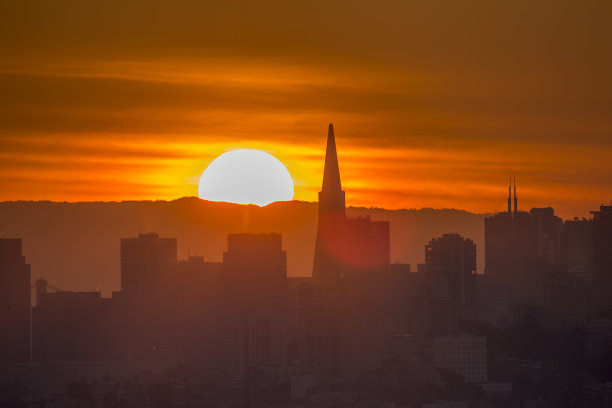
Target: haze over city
383 204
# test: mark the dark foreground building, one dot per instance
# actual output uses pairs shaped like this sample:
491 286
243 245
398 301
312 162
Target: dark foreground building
147 262
255 270
451 262
14 302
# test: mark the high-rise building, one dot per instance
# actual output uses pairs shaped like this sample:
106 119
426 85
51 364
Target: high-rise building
368 246
330 242
550 229
147 262
15 320
602 258
602 242
521 248
71 326
199 301
498 246
255 256
351 261
147 305
255 272
328 268
576 247
452 259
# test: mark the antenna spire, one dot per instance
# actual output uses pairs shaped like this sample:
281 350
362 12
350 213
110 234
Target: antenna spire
515 200
510 196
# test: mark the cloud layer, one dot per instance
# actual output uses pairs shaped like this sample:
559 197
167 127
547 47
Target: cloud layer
435 104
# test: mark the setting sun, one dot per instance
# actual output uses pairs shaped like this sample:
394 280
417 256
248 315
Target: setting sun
246 177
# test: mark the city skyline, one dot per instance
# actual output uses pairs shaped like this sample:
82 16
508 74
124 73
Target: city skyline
360 328
272 204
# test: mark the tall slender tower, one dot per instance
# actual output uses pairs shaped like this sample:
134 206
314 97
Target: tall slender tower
328 268
515 200
331 196
510 196
332 218
351 260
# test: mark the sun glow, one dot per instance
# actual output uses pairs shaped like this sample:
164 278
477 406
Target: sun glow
246 177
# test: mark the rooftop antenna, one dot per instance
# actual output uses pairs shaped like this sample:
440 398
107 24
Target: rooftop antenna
510 196
515 200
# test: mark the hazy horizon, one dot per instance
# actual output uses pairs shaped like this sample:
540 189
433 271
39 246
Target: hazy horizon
297 201
50 231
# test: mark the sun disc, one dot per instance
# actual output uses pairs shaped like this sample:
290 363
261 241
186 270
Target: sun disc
246 176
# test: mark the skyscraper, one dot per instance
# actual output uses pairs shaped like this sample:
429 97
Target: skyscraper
327 269
71 326
602 242
255 269
352 257
453 259
330 244
576 246
602 257
15 333
256 256
147 303
523 255
147 262
517 242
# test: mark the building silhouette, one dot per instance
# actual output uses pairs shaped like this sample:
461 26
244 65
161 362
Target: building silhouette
351 263
200 296
522 249
256 257
601 258
576 246
147 324
360 331
327 269
147 262
602 242
451 266
71 326
255 271
15 320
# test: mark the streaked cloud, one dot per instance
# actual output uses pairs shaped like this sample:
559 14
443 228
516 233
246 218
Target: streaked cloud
435 104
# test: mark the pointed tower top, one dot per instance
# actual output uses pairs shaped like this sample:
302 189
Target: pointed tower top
331 173
515 200
510 196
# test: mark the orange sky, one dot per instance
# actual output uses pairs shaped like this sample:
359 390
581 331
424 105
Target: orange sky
434 105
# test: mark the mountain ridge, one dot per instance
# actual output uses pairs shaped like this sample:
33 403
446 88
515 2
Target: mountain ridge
53 231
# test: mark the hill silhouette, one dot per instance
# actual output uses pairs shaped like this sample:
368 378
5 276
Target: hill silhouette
76 245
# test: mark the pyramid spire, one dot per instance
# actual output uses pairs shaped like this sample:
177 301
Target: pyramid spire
331 196
331 173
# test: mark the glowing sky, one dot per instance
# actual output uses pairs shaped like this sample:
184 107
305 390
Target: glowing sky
434 103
